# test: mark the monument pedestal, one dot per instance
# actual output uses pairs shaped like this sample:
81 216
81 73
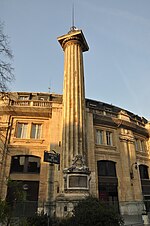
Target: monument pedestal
76 187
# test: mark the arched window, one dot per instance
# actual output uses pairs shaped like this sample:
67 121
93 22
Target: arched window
106 168
25 164
143 171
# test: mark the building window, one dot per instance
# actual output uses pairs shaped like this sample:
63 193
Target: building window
136 145
108 183
21 130
23 97
99 137
36 131
143 171
25 164
104 137
106 168
28 190
140 145
109 138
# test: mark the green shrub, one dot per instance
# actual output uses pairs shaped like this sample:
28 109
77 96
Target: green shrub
91 212
4 211
39 220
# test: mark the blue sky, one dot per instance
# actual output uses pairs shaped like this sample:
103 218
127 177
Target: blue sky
117 65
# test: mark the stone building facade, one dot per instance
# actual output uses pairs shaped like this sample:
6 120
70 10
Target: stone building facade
104 150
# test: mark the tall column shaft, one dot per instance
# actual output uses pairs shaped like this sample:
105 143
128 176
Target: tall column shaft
73 137
74 170
73 104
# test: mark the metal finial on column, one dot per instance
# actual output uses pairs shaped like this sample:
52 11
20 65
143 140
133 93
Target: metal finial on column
73 20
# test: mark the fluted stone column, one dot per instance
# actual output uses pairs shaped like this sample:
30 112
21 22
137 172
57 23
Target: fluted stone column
76 175
73 137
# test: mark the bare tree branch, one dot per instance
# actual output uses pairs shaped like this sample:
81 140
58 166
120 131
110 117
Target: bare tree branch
6 70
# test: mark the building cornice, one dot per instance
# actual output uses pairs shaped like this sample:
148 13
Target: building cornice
119 123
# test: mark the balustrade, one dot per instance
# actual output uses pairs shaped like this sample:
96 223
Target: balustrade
34 103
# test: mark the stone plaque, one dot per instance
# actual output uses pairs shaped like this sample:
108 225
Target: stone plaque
78 181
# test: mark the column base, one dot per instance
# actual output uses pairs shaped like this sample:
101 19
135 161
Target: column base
66 202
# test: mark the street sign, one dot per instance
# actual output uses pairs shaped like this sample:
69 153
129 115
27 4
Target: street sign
51 157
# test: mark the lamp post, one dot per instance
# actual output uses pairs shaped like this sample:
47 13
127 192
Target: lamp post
52 158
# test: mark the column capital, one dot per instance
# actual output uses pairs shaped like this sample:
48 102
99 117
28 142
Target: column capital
74 36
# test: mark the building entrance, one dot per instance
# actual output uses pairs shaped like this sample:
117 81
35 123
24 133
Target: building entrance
108 183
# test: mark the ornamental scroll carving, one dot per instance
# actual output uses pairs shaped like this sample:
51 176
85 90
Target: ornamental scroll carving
78 165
